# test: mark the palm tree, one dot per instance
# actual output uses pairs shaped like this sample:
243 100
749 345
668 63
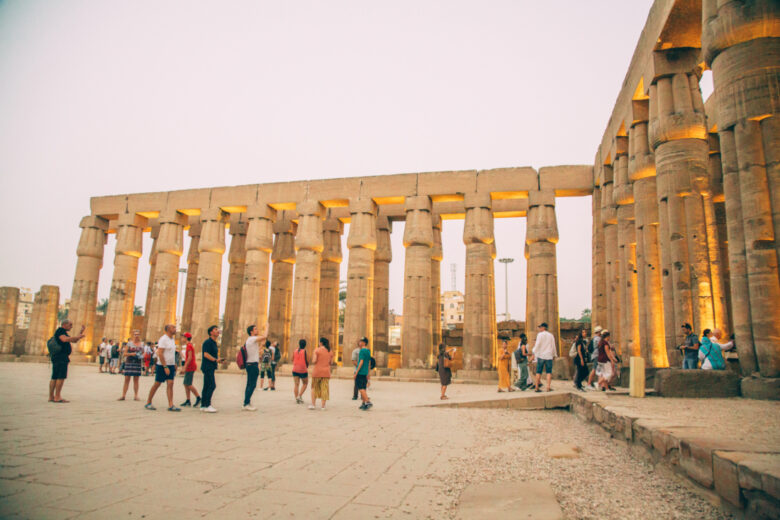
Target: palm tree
102 306
138 310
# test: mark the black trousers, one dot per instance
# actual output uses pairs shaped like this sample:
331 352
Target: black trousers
355 390
209 385
580 375
252 371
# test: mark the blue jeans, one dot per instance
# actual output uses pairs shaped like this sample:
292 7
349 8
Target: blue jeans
545 365
690 363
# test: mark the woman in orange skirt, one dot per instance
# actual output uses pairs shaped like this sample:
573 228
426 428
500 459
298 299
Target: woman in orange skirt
504 367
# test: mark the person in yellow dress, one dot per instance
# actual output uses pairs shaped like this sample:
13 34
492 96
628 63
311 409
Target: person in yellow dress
504 367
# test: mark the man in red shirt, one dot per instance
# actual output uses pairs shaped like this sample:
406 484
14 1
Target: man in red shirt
190 366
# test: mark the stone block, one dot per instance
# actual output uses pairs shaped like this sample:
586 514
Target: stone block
725 473
534 402
765 388
696 455
446 183
665 443
503 500
567 180
557 400
507 181
562 367
674 382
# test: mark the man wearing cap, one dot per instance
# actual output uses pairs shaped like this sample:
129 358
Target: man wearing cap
593 349
355 356
544 351
363 373
190 366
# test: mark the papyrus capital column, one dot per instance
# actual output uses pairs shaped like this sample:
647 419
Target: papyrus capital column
330 271
211 247
541 237
193 259
154 233
9 302
437 255
418 240
83 300
43 322
237 259
382 258
306 288
169 248
121 300
362 242
283 258
478 340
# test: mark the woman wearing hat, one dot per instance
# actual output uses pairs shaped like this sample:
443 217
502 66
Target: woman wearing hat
190 366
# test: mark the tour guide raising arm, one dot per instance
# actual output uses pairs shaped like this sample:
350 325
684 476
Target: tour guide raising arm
73 339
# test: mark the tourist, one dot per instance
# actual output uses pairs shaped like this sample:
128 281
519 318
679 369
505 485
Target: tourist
320 385
300 370
208 365
266 355
363 374
710 353
165 370
355 356
147 357
133 351
521 359
114 364
544 352
690 348
60 360
606 362
444 368
593 350
253 345
580 359
102 354
190 366
276 355
504 362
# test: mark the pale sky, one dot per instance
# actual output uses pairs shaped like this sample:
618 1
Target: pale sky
106 97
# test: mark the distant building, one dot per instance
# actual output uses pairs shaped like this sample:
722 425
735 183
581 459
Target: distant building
452 308
394 335
24 309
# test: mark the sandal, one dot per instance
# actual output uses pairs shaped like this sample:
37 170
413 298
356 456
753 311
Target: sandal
121 399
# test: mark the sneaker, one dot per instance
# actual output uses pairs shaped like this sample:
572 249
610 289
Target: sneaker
209 409
323 408
369 404
186 403
197 402
299 400
149 406
363 407
174 409
248 408
354 398
265 389
312 407
273 389
595 385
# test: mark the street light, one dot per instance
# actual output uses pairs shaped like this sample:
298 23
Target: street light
506 262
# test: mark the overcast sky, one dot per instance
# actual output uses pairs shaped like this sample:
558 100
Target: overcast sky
106 97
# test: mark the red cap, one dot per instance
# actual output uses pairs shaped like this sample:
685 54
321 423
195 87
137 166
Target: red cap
188 335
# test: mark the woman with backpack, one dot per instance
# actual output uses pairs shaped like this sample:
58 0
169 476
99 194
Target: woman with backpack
300 370
320 386
580 359
266 355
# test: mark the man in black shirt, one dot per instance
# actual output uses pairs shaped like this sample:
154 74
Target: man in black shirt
208 364
60 360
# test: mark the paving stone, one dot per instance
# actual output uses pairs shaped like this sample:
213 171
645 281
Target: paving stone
504 500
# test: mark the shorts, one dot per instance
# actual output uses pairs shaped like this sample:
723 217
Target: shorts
302 375
159 373
59 370
114 362
604 370
544 365
361 381
102 360
320 388
188 378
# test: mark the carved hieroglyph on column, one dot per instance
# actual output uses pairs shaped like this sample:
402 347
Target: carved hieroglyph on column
233 335
193 257
283 258
418 240
626 234
43 321
599 280
205 309
478 339
361 241
154 225
609 223
741 43
259 244
542 237
9 302
330 271
306 288
162 307
437 255
382 258
652 307
121 300
83 299
677 133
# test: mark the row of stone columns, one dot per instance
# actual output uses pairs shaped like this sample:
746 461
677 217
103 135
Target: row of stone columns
43 320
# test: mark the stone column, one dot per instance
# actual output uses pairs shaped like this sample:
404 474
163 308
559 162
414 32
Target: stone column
382 258
418 240
306 288
193 257
741 45
361 241
9 302
121 301
599 277
678 134
43 321
83 299
232 334
541 237
154 225
628 290
162 307
652 307
609 223
283 258
478 339
437 255
330 275
493 312
719 218
211 247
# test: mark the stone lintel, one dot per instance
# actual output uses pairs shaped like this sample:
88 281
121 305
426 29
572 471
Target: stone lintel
567 180
260 211
541 198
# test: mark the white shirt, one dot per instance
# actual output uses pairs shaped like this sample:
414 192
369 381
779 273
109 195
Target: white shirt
103 347
166 351
544 348
253 349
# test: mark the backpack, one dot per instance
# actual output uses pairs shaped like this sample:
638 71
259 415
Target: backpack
53 347
266 357
372 363
519 354
241 357
573 350
277 354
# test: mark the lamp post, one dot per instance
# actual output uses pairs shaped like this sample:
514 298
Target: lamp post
506 262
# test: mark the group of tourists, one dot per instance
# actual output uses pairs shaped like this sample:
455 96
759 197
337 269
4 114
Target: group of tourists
708 350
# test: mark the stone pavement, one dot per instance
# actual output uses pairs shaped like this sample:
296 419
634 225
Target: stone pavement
99 458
